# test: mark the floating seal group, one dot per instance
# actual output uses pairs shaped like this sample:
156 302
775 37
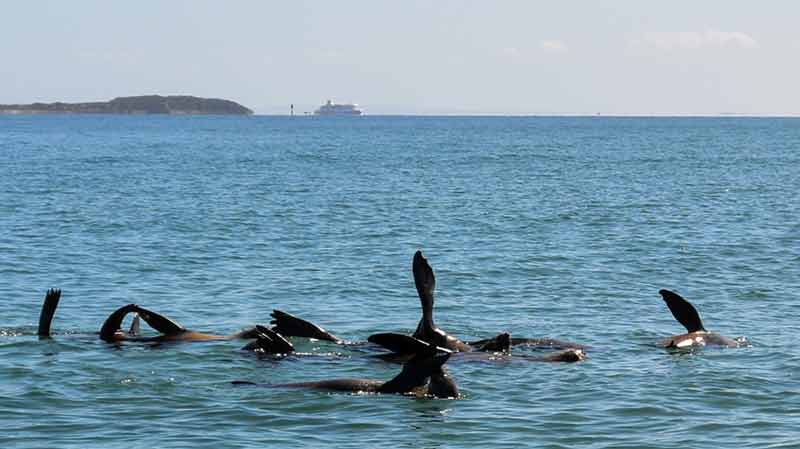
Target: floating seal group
427 331
423 354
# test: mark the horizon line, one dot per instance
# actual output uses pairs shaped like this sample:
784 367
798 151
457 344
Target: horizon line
554 114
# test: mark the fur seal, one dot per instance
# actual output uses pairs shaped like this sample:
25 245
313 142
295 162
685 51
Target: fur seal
538 343
427 331
291 326
687 315
568 355
402 346
170 330
422 375
425 281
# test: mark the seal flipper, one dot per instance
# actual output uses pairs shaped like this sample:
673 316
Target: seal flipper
270 342
291 326
425 282
113 323
684 312
442 386
159 322
416 372
49 307
399 343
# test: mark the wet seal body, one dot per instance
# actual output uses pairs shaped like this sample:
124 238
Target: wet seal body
427 331
422 375
696 335
404 346
289 325
266 340
170 330
425 282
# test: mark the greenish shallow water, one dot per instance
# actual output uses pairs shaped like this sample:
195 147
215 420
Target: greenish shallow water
560 227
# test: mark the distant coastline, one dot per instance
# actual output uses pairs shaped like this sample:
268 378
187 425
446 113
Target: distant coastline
144 104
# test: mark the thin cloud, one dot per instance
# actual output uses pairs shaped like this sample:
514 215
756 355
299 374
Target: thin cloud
553 46
695 40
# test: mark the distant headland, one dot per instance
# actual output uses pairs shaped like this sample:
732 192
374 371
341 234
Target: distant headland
145 104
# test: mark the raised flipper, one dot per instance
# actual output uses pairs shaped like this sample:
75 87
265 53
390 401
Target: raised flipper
113 323
684 312
291 326
48 311
136 327
160 323
269 342
500 343
399 343
416 372
425 282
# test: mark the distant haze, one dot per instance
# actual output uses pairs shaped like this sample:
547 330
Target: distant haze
412 57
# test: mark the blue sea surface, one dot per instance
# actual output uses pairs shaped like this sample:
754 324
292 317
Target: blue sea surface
538 226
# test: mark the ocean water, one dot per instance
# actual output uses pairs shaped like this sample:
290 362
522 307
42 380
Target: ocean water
559 227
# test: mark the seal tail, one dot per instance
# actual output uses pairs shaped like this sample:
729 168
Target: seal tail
425 282
292 326
684 312
51 299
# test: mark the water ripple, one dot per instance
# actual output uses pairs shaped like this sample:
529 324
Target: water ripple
559 227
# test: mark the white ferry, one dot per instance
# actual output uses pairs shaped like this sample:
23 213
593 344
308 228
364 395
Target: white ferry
331 108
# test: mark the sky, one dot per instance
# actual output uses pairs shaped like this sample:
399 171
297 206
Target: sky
412 56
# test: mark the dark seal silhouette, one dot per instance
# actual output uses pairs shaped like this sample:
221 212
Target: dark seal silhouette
425 282
169 329
292 326
111 329
422 375
687 315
